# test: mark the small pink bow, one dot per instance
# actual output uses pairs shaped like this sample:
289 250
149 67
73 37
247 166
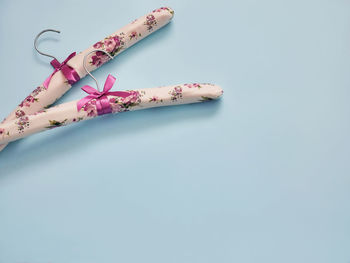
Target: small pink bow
102 103
69 73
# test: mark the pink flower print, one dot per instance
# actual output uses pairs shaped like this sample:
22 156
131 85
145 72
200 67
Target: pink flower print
98 45
132 98
176 93
110 45
22 122
162 9
178 89
20 113
133 35
193 85
150 22
27 101
115 106
30 99
150 18
117 41
155 99
37 91
99 58
91 110
118 44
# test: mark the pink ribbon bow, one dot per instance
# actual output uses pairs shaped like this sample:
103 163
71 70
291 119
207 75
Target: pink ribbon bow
102 103
69 73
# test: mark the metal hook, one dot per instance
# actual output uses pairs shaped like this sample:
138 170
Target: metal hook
88 72
36 39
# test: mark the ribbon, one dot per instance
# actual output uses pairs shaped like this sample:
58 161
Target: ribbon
102 102
69 73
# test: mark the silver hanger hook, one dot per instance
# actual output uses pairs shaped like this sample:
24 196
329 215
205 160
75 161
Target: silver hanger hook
88 72
36 40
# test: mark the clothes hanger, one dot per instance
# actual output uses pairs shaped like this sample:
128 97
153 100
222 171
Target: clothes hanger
101 102
71 69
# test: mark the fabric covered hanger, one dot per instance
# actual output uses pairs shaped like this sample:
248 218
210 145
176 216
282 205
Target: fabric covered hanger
71 69
105 102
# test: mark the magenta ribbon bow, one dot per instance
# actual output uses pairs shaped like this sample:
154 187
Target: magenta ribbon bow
69 73
102 103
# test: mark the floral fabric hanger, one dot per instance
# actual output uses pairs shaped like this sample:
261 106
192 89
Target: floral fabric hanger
106 102
71 69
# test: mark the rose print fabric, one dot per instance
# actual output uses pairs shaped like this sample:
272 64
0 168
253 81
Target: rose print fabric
67 113
114 44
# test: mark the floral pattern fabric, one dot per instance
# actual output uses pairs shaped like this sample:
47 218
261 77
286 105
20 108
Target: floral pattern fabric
114 44
138 29
67 113
111 44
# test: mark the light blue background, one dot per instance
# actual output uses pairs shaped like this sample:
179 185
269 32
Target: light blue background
261 176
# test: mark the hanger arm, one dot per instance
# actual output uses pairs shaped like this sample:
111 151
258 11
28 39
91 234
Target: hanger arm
115 43
67 113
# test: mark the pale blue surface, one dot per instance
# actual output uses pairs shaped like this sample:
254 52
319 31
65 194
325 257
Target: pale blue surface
261 176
